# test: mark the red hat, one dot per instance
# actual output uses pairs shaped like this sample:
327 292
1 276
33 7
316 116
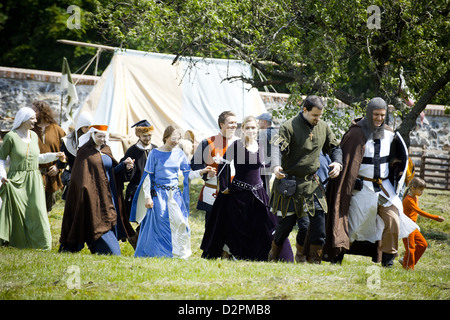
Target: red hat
99 127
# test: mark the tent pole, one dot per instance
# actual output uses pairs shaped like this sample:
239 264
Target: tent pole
85 44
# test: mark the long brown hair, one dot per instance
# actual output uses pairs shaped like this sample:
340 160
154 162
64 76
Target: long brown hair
168 132
44 112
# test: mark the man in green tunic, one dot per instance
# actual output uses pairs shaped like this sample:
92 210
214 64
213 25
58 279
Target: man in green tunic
301 140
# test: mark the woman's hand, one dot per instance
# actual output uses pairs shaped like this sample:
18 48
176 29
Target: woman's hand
211 171
4 180
61 156
129 163
149 203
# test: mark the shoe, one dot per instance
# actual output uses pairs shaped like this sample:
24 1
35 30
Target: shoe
387 260
274 253
315 252
299 256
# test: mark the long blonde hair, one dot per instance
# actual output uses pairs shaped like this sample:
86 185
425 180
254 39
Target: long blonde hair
244 122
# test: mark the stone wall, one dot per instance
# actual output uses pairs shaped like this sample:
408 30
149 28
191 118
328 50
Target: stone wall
433 132
20 87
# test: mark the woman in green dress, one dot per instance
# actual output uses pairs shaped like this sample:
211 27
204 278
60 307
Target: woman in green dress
23 214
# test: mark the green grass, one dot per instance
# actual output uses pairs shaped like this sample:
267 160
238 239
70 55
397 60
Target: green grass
35 275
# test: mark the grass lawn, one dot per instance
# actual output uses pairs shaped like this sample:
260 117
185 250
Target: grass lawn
35 275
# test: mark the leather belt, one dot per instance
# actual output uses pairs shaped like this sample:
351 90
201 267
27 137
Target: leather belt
252 188
300 179
212 186
378 181
246 186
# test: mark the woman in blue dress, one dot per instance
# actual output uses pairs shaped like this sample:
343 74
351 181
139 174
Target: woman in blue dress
159 206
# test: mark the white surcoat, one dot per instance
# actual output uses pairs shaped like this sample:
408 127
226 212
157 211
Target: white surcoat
364 222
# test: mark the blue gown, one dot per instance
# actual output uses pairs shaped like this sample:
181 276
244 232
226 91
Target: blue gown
164 229
119 228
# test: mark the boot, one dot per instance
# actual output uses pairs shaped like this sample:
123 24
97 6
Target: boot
299 256
387 259
225 255
133 239
315 252
274 253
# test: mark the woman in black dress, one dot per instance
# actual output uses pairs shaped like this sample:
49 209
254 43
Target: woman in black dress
241 224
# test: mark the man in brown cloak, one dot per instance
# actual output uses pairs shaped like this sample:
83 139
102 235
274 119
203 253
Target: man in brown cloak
365 215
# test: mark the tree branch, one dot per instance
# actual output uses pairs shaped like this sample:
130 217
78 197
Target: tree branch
410 120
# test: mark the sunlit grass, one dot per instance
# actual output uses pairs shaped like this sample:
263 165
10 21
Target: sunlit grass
34 274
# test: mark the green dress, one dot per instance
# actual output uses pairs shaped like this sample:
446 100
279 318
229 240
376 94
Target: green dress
23 215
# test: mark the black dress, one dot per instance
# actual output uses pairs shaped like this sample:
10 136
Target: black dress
241 219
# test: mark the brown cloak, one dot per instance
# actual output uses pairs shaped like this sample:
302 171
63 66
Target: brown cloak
53 135
339 193
89 211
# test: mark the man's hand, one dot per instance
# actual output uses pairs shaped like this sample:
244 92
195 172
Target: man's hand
278 172
52 171
336 169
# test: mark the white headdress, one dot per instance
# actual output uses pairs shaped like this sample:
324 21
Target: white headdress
22 115
94 128
84 120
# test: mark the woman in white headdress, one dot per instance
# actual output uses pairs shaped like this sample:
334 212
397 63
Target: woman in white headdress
70 146
23 214
94 210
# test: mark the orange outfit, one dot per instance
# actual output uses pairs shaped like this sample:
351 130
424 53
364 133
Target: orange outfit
415 244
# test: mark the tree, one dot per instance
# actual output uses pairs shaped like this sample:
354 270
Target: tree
29 30
349 50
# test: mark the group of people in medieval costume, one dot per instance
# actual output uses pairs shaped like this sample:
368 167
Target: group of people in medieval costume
344 197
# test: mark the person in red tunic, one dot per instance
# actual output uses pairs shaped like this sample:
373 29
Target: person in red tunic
210 153
415 243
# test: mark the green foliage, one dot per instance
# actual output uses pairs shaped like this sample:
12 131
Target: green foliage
30 29
308 47
301 47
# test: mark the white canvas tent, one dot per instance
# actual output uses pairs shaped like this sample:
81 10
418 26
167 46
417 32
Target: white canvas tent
190 94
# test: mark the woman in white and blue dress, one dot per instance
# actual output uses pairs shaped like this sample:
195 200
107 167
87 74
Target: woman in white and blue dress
159 205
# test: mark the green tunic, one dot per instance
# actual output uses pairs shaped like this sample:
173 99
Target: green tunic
23 215
300 146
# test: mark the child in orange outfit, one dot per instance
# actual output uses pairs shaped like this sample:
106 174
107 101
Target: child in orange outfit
415 244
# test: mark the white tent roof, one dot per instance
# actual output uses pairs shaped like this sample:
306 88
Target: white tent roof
190 93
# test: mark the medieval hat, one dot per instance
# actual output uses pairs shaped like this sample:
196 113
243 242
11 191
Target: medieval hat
24 114
367 123
92 129
142 127
84 120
